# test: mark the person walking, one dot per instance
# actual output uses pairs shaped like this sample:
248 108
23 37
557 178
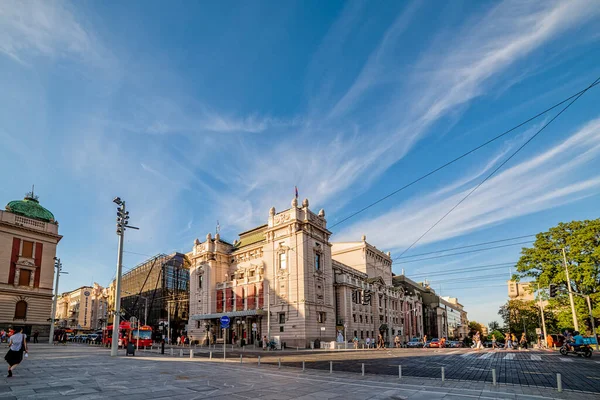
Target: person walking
368 342
513 341
425 341
494 345
178 340
18 346
264 342
355 341
397 341
380 342
507 340
35 336
523 341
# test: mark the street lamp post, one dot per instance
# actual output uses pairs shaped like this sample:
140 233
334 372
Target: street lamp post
122 224
58 266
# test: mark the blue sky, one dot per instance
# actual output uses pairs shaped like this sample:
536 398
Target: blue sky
203 111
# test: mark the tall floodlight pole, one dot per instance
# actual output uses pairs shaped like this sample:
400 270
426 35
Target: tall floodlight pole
122 223
575 324
58 266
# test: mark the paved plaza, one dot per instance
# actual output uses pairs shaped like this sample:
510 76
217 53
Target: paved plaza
86 372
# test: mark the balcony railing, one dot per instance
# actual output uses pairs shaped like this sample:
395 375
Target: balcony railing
30 222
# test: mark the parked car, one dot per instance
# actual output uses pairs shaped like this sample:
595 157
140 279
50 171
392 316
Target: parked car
93 337
414 342
435 342
83 338
455 344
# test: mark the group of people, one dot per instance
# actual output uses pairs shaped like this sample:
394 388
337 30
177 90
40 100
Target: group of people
183 340
370 343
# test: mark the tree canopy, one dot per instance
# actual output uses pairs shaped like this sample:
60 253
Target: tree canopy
543 264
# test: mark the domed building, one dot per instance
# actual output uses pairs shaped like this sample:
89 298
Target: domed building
28 240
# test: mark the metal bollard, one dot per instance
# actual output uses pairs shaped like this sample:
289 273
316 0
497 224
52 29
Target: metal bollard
279 362
330 367
399 371
241 358
180 352
259 361
494 376
210 355
559 382
303 366
443 375
363 369
191 353
171 351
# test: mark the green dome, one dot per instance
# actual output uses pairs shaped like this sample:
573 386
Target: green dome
30 207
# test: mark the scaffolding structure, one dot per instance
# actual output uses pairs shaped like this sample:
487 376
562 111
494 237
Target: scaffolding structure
160 282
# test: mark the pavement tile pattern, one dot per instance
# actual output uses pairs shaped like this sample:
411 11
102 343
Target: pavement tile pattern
85 372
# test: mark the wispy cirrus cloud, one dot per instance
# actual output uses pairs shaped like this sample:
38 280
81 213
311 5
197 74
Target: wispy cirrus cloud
36 28
390 107
547 180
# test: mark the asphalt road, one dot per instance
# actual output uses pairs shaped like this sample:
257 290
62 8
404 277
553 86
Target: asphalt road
528 367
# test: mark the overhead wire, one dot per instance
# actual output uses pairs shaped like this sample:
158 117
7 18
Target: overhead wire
576 95
464 252
465 247
502 164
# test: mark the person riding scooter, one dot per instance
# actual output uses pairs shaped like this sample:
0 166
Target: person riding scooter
578 340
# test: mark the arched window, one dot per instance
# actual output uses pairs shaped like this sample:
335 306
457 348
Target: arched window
21 309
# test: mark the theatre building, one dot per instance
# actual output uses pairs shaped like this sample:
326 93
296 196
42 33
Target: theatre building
287 281
28 239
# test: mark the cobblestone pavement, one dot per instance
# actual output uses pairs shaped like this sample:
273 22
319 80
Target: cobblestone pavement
84 372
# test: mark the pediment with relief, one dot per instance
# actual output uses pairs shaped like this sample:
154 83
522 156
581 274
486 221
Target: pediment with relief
26 262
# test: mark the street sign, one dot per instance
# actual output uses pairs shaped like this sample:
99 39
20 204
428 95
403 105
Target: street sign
254 327
225 322
538 331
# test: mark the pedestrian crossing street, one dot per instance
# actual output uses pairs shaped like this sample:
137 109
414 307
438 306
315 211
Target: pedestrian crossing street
514 356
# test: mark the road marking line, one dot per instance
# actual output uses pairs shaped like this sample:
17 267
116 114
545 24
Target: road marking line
453 352
536 358
565 359
486 355
468 355
509 356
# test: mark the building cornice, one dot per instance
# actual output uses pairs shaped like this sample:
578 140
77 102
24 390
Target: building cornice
36 231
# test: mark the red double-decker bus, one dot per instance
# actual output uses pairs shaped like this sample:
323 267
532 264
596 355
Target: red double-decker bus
140 336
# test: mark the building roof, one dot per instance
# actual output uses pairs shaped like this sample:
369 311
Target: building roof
252 236
30 207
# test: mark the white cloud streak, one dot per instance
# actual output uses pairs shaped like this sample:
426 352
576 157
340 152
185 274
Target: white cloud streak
29 29
544 181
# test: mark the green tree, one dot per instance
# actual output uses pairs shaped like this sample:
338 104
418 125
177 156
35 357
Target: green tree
499 335
543 264
494 326
524 316
474 327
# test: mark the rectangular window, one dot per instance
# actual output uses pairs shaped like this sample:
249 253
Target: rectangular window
24 277
354 317
281 329
282 261
282 318
317 261
321 316
27 249
200 279
360 318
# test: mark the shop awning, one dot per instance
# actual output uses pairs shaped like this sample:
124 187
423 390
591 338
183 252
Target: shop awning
231 314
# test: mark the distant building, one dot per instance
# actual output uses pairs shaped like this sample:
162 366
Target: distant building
85 308
28 240
458 323
312 288
161 283
520 291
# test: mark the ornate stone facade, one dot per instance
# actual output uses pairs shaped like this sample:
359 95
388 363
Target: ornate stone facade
287 281
28 240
